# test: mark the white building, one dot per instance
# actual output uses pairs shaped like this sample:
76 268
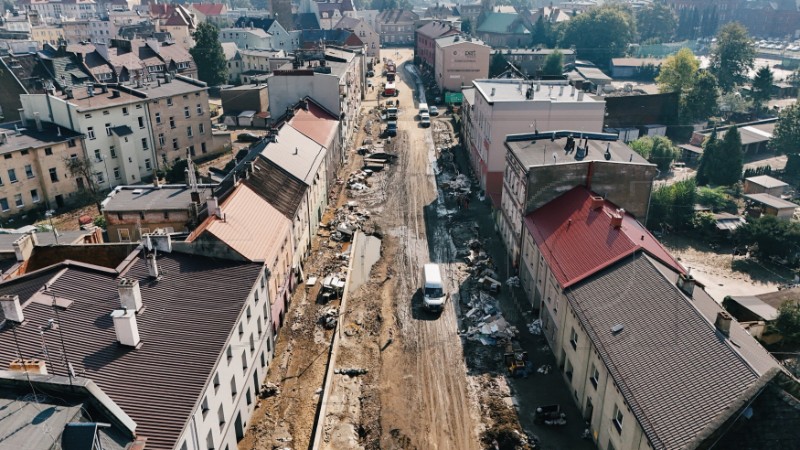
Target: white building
247 38
504 107
56 9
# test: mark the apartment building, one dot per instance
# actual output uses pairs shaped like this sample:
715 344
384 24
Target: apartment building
249 64
504 107
118 324
247 38
135 60
541 167
425 40
652 360
89 30
396 26
280 39
47 34
33 170
365 33
459 60
57 9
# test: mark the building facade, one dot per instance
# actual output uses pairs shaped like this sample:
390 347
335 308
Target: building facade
425 40
396 27
459 60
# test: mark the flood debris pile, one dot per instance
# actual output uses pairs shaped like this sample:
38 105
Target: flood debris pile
346 221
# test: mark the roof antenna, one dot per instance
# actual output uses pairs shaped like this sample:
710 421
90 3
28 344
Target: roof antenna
70 371
608 152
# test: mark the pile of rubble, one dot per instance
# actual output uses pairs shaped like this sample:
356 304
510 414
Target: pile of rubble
347 220
357 181
485 321
328 317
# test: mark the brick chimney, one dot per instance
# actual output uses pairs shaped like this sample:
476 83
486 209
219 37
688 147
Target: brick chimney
130 296
36 366
125 327
686 283
616 218
12 308
597 202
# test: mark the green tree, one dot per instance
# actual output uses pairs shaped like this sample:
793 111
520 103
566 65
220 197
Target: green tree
212 67
663 153
701 101
786 137
656 22
672 206
541 32
643 146
82 169
762 87
733 103
732 56
730 163
553 64
600 34
787 324
466 26
497 65
709 159
678 72
716 198
772 236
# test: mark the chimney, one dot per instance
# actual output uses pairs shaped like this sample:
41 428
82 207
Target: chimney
130 296
572 91
90 90
3 138
38 121
492 92
597 202
686 283
104 88
37 366
723 323
23 247
580 96
152 265
114 93
195 197
125 327
561 91
11 308
22 118
616 219
213 207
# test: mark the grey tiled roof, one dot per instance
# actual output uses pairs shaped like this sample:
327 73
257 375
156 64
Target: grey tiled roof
678 375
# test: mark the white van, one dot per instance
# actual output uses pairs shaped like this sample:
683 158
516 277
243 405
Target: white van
433 289
423 109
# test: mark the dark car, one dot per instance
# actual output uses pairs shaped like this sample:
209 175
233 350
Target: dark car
370 73
248 137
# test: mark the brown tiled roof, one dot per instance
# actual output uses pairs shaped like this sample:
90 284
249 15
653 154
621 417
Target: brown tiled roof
209 9
277 186
678 375
189 316
316 123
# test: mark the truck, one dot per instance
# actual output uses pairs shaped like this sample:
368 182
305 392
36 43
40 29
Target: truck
391 70
433 290
391 128
389 90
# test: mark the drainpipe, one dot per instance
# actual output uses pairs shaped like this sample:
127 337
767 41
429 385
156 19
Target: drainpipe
150 133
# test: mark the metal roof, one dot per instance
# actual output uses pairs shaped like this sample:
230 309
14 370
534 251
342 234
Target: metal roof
678 375
535 153
277 186
757 306
189 316
316 123
766 181
30 138
771 200
151 198
296 153
578 241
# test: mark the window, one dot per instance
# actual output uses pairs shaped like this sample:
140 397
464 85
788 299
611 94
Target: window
204 407
186 112
87 116
216 382
172 122
203 147
140 119
18 200
100 177
249 397
573 339
124 235
169 102
117 175
568 369
34 196
595 378
244 360
199 109
29 171
90 132
4 204
158 118
253 341
108 129
189 131
48 151
53 174
147 164
72 143
229 353
139 106
263 359
241 329
8 156
174 143
12 175
144 144
221 417
617 419
105 113
161 139
113 151
124 110
249 312
186 97
191 150
233 387
97 155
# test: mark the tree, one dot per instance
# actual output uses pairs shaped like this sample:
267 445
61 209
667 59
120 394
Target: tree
732 56
656 22
678 72
600 34
466 26
733 103
553 64
663 153
787 324
716 199
541 30
730 161
82 169
672 206
701 101
762 87
708 161
786 137
212 67
643 146
497 65
772 236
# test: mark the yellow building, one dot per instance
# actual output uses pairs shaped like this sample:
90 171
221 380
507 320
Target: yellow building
47 34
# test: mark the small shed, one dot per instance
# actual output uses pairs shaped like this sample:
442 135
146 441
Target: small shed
772 205
245 118
727 222
764 184
655 130
757 312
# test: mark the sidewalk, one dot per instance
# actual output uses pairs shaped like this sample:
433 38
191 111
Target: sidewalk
538 389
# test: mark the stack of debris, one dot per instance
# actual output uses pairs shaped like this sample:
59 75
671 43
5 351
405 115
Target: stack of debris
328 317
486 322
358 180
347 220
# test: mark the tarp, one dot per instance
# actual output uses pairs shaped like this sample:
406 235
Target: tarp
453 98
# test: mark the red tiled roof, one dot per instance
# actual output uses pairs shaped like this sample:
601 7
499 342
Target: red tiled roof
577 241
316 123
209 9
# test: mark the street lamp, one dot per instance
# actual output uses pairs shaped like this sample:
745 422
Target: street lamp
49 214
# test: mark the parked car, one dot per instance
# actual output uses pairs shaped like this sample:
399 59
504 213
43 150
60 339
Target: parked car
425 120
370 73
434 111
248 137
